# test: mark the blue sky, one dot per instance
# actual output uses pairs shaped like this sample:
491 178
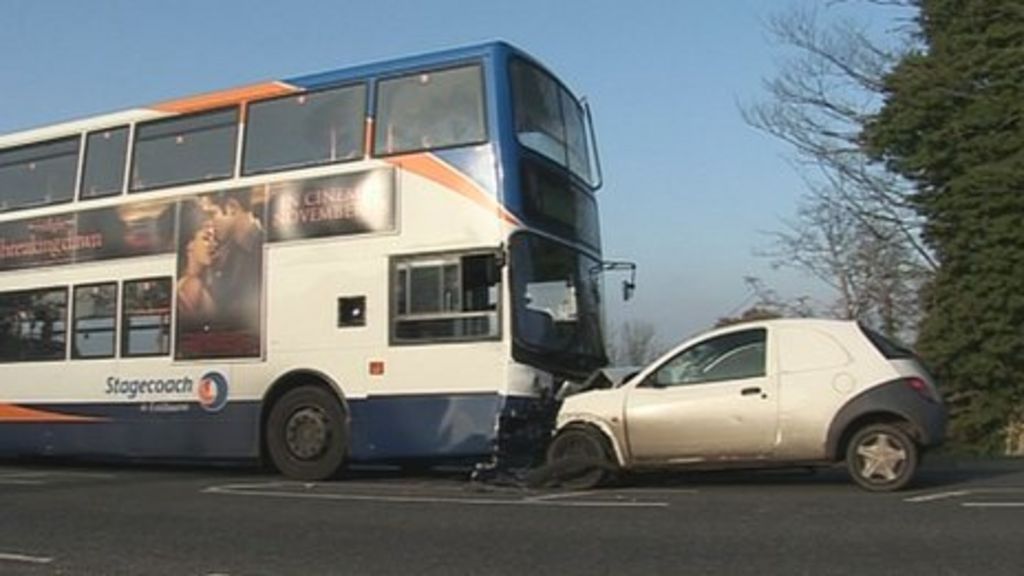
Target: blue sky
689 188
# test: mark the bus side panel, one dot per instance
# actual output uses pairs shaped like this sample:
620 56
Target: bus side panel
419 426
413 399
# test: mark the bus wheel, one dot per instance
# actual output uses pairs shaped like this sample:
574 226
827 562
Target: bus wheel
306 434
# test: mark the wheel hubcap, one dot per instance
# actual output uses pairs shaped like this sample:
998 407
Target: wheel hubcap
882 458
307 433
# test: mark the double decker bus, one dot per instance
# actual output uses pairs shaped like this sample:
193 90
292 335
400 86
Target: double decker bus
392 262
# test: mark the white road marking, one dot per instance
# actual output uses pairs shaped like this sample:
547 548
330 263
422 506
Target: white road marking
974 492
1000 490
939 496
558 496
49 475
262 491
654 490
24 558
41 478
21 481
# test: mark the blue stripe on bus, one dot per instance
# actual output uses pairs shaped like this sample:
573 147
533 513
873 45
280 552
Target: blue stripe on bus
160 430
476 163
382 428
387 68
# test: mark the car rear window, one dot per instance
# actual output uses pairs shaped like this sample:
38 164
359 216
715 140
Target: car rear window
890 349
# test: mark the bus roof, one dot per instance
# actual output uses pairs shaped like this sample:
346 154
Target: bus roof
267 89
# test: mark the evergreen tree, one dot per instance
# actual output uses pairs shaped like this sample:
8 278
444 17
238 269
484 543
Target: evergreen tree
953 122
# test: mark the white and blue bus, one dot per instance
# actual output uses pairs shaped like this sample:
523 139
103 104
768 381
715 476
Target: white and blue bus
393 262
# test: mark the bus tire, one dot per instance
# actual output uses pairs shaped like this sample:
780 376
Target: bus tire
306 434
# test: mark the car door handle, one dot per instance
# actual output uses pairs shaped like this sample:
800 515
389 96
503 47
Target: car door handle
750 391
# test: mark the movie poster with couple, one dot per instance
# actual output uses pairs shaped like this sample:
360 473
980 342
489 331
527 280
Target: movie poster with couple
220 274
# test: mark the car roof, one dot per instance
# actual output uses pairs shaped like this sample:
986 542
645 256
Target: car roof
819 323
832 326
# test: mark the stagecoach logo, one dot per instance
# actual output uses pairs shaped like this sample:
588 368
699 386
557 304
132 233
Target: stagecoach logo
213 391
148 388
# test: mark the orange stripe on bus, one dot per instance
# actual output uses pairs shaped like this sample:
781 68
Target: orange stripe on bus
225 98
432 168
12 413
368 139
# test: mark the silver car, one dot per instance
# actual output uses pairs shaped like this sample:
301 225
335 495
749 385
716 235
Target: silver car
779 392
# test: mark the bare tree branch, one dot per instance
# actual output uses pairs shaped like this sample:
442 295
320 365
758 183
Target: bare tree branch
856 230
633 344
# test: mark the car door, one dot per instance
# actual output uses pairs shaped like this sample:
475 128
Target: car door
714 400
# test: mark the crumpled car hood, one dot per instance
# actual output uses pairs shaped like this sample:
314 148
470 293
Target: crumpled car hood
600 379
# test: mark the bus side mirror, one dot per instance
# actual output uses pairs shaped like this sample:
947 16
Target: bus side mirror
628 285
627 290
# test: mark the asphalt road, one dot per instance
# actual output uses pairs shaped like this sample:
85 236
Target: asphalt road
961 518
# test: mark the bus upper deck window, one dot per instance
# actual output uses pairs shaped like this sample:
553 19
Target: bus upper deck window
105 153
39 174
538 110
305 130
429 110
549 120
183 150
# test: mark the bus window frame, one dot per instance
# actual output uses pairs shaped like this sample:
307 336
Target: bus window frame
477 63
533 162
78 167
66 320
592 154
394 317
122 341
73 328
366 132
125 162
134 148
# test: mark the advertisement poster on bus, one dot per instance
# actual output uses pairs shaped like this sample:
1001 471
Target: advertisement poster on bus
137 229
46 241
333 206
220 274
129 230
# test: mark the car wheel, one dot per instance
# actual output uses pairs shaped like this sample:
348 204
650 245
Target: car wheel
305 434
881 458
579 459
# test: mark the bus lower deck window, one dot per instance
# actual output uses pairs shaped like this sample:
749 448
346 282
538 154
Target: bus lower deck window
146 321
446 297
33 325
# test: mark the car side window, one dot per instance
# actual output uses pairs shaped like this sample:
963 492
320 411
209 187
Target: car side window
732 356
